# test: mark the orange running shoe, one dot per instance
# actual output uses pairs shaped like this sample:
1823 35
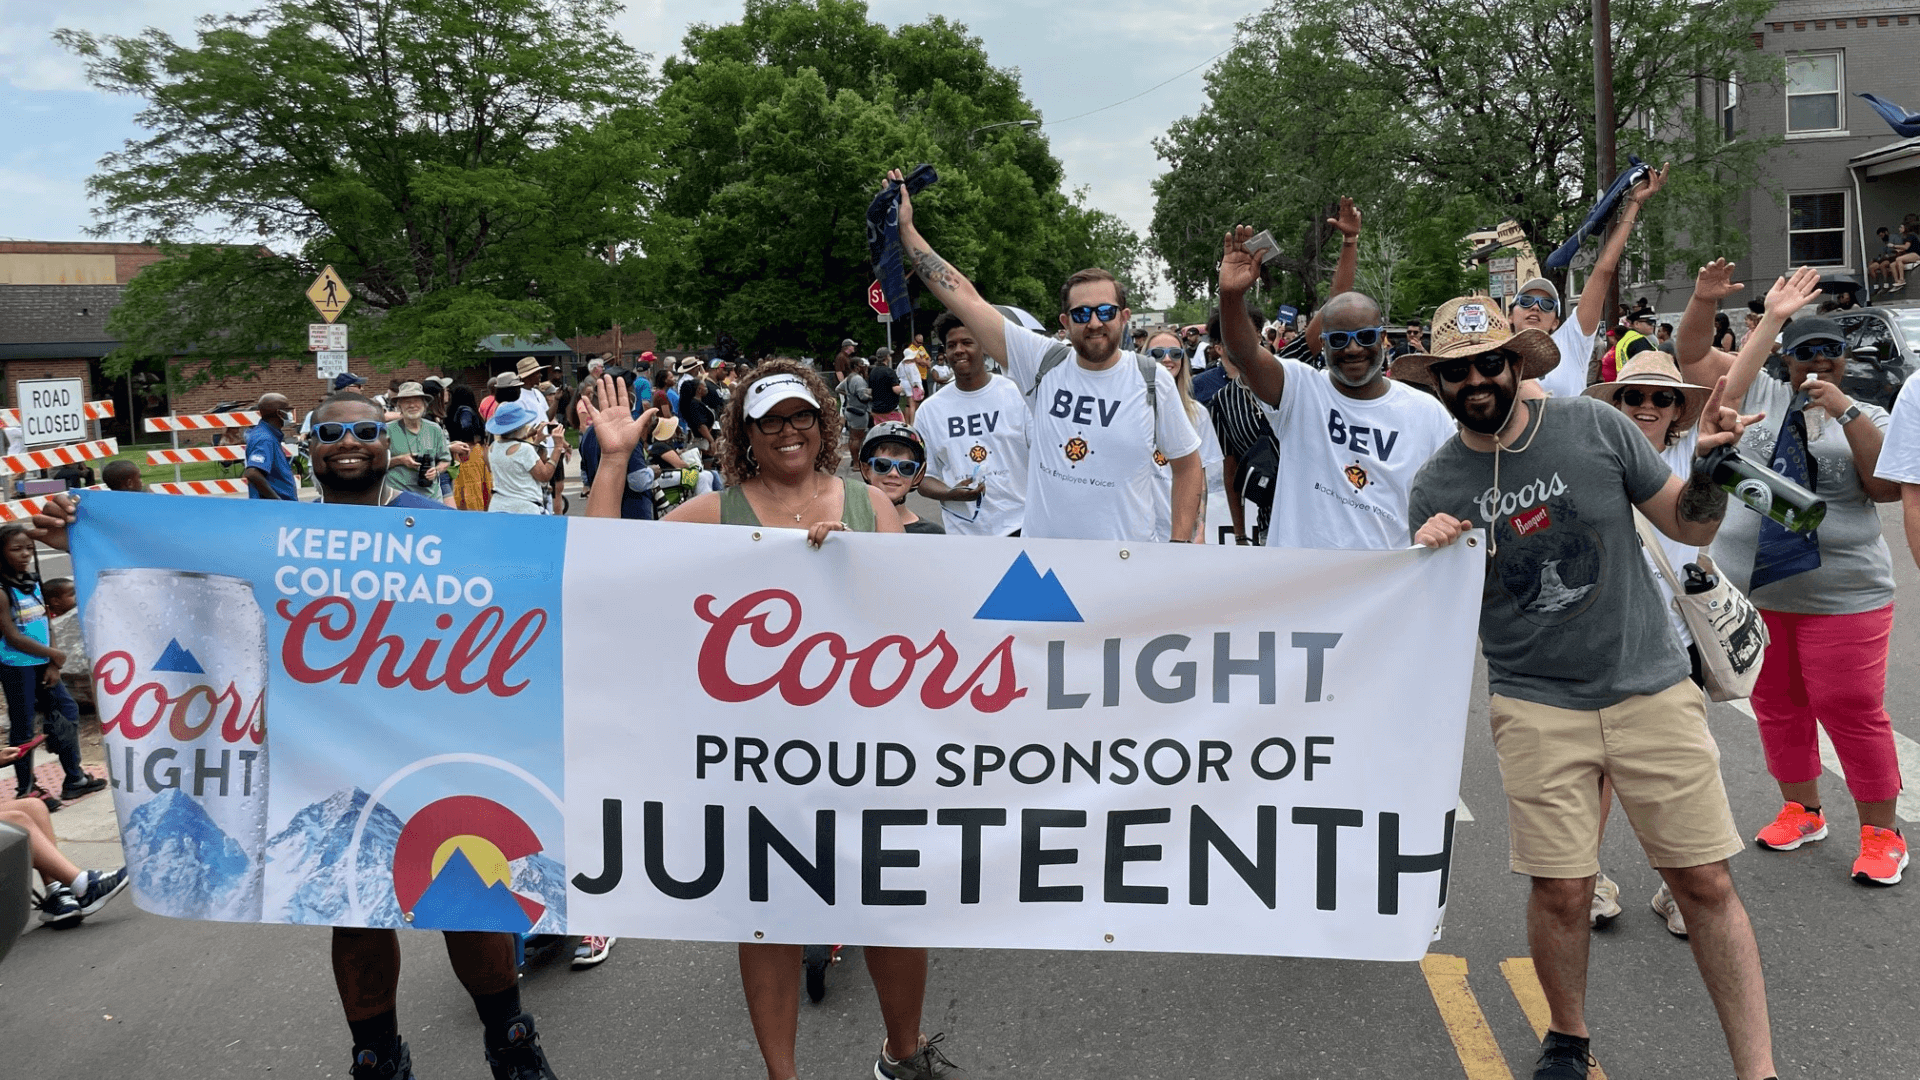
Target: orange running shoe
1883 854
1795 826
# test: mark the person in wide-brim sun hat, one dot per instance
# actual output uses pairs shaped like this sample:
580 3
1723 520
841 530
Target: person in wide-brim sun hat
1469 326
1654 370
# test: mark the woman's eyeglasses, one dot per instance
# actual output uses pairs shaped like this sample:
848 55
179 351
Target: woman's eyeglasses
804 420
366 431
882 466
1489 365
1634 398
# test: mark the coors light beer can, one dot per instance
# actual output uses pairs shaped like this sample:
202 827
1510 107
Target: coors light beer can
180 675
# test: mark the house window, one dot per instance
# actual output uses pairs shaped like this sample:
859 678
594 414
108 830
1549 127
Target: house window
1814 91
1727 113
1817 229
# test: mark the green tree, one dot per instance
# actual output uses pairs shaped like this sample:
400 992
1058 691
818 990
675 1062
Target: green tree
780 126
470 167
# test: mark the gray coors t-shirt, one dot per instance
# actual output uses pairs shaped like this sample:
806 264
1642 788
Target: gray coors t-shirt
1570 616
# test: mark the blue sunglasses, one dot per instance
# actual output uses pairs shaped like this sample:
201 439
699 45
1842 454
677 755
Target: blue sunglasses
1084 314
1547 304
1367 336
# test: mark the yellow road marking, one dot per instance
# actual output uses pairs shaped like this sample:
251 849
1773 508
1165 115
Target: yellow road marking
1479 1053
1533 1000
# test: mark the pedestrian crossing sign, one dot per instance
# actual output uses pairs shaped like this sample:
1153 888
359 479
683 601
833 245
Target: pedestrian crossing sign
329 294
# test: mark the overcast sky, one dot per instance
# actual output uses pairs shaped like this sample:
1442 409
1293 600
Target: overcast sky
54 128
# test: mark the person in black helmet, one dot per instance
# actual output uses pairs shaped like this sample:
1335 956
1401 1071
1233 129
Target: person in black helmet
893 458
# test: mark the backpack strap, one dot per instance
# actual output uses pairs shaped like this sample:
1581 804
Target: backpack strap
1149 371
1056 354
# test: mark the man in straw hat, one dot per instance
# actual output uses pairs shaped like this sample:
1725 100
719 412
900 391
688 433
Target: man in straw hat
1585 681
1351 439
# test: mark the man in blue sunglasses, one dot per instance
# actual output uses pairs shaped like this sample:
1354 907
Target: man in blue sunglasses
1104 420
1539 307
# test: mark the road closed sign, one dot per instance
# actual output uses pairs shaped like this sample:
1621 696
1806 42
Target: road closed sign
53 410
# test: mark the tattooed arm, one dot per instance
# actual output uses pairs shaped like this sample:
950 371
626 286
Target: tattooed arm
951 286
1690 510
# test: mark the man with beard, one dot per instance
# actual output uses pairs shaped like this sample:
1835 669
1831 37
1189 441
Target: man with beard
1350 438
350 459
1588 679
1100 416
1539 307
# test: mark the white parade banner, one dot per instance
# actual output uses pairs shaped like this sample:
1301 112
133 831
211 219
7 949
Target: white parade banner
1045 744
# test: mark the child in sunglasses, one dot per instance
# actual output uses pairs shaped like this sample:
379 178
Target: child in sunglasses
893 458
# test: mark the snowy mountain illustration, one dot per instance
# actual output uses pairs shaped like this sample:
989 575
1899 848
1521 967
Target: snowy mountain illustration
1554 594
184 866
307 882
546 881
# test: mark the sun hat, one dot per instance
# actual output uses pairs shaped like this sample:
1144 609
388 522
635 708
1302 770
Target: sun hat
527 366
893 431
1655 370
1469 326
774 389
665 429
506 379
647 357
511 417
410 389
688 366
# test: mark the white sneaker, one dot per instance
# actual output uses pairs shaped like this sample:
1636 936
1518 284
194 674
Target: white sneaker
1606 901
1664 907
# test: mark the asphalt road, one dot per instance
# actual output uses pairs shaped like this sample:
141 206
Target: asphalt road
131 991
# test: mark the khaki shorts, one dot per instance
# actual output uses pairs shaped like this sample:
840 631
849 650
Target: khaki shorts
1665 768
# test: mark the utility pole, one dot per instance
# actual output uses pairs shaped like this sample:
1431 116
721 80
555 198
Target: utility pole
1604 125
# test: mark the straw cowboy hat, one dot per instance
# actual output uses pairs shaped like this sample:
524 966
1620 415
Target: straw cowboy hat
1469 326
1656 370
527 367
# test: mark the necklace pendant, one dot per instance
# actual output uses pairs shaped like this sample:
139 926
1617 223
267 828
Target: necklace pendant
796 517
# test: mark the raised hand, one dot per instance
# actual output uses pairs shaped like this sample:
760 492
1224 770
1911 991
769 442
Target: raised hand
1348 220
1722 425
1790 294
1715 281
618 430
906 201
1239 269
1645 189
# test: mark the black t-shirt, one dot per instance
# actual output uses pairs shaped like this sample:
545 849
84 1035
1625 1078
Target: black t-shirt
1912 240
931 528
694 412
886 388
657 450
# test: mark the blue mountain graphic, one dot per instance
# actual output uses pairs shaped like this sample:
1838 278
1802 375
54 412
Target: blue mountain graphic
1024 596
457 900
175 658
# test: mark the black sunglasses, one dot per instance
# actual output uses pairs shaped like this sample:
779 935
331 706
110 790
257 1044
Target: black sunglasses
366 431
882 466
1084 314
1829 349
804 420
1162 352
1489 365
1367 336
1635 397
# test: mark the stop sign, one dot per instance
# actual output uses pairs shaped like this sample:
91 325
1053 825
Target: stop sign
877 298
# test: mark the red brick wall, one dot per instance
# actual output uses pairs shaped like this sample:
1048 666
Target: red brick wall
45 369
296 380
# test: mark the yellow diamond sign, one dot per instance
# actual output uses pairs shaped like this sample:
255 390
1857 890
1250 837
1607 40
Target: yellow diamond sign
329 294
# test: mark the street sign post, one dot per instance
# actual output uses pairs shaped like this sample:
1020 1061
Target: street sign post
326 336
329 294
877 300
52 410
330 362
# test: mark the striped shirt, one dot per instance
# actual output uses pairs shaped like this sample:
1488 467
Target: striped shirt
1238 419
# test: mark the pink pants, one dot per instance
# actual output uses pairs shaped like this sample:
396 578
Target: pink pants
1830 670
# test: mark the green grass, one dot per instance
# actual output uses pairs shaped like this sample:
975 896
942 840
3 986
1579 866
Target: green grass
198 470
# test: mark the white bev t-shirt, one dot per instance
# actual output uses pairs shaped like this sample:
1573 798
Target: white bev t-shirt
979 434
1900 449
1576 352
1211 459
1347 465
1092 440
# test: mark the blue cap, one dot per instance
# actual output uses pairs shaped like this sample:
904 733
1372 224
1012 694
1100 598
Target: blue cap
511 416
346 379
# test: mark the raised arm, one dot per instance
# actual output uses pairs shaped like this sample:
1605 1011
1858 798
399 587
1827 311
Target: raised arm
617 431
1261 370
1700 360
1593 296
1348 225
950 285
1787 296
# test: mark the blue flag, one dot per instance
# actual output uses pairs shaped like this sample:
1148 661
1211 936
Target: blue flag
1782 552
1903 123
1636 171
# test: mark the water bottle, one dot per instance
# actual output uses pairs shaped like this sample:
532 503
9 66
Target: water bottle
1698 580
1793 507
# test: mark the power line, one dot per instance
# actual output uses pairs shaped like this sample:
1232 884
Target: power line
1148 90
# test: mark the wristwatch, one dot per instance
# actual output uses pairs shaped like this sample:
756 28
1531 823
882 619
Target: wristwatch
1848 417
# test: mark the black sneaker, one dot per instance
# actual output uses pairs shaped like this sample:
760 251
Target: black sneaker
926 1063
88 786
101 887
1562 1057
44 796
370 1064
521 1058
58 908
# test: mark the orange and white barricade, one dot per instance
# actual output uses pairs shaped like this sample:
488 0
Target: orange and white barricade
22 509
202 421
234 486
54 457
95 410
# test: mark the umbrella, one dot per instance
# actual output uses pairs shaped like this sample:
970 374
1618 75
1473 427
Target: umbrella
1021 318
